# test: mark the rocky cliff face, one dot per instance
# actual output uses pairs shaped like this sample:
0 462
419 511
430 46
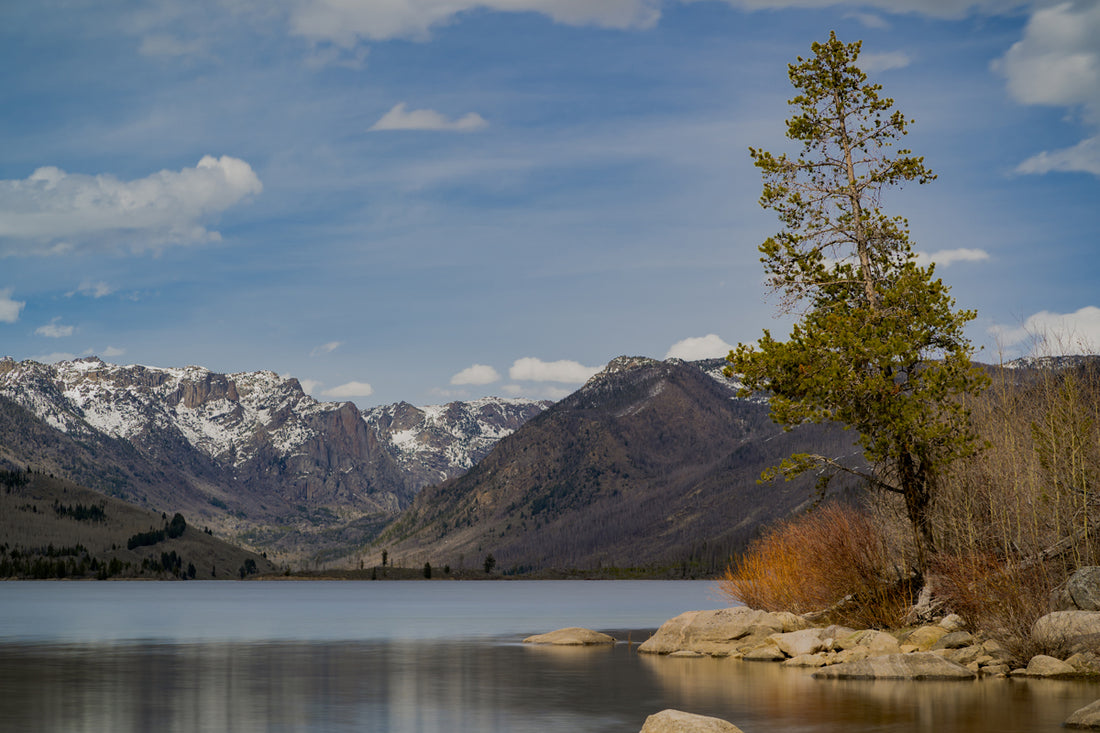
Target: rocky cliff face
247 451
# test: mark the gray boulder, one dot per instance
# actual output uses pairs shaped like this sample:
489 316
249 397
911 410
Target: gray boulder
799 643
876 643
1072 630
916 666
677 721
572 636
1083 588
720 632
1086 717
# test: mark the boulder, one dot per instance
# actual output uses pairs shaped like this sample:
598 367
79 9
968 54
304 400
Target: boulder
1086 717
766 652
1083 588
719 632
1075 630
954 640
572 636
806 660
876 643
1086 663
916 666
677 721
953 622
924 637
803 642
1043 666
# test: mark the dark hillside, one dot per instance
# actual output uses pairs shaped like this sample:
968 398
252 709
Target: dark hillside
650 463
52 528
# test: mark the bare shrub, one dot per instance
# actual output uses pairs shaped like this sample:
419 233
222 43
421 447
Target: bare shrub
1002 599
836 559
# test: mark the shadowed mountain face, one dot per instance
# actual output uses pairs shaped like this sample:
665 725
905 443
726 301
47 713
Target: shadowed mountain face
649 463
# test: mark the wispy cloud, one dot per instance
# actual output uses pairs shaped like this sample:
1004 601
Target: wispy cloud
9 308
349 390
530 369
884 61
54 329
948 257
402 118
710 346
52 211
476 374
328 348
93 289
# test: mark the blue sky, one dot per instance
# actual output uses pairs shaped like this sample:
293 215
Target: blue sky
427 200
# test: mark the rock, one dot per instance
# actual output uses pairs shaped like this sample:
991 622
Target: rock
1086 663
952 622
875 642
916 666
806 660
851 655
1074 630
995 670
954 640
572 636
1083 588
719 632
766 652
924 637
800 643
677 721
1043 666
966 655
1086 717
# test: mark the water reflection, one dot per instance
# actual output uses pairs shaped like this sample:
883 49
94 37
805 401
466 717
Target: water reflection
767 697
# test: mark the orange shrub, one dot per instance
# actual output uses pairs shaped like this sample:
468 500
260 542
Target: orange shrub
836 559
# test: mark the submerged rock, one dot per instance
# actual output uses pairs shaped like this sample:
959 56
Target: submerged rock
1086 717
677 721
572 636
916 666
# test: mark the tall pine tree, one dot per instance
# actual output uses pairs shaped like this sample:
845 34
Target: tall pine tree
879 345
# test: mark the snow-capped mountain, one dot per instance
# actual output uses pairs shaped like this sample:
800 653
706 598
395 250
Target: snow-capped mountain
247 451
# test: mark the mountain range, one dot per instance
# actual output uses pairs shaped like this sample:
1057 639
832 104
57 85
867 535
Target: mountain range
250 455
649 463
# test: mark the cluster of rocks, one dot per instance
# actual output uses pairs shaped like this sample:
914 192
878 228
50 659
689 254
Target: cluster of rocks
944 650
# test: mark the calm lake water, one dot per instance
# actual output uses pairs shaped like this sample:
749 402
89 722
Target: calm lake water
429 657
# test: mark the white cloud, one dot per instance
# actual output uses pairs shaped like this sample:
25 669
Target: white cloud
1057 333
346 23
328 348
93 289
1084 157
401 118
870 20
710 346
52 211
530 369
54 330
934 8
309 386
111 352
349 390
1057 63
884 61
948 257
476 374
9 308
54 357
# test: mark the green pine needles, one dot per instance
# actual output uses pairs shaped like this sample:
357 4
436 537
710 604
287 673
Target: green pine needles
880 345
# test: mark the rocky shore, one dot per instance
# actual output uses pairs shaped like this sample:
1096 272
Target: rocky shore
941 650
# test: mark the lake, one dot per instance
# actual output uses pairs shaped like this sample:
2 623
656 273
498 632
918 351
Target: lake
426 657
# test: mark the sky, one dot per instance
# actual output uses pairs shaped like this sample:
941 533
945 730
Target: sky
430 200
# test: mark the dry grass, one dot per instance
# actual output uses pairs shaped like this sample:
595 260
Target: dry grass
1002 599
836 559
